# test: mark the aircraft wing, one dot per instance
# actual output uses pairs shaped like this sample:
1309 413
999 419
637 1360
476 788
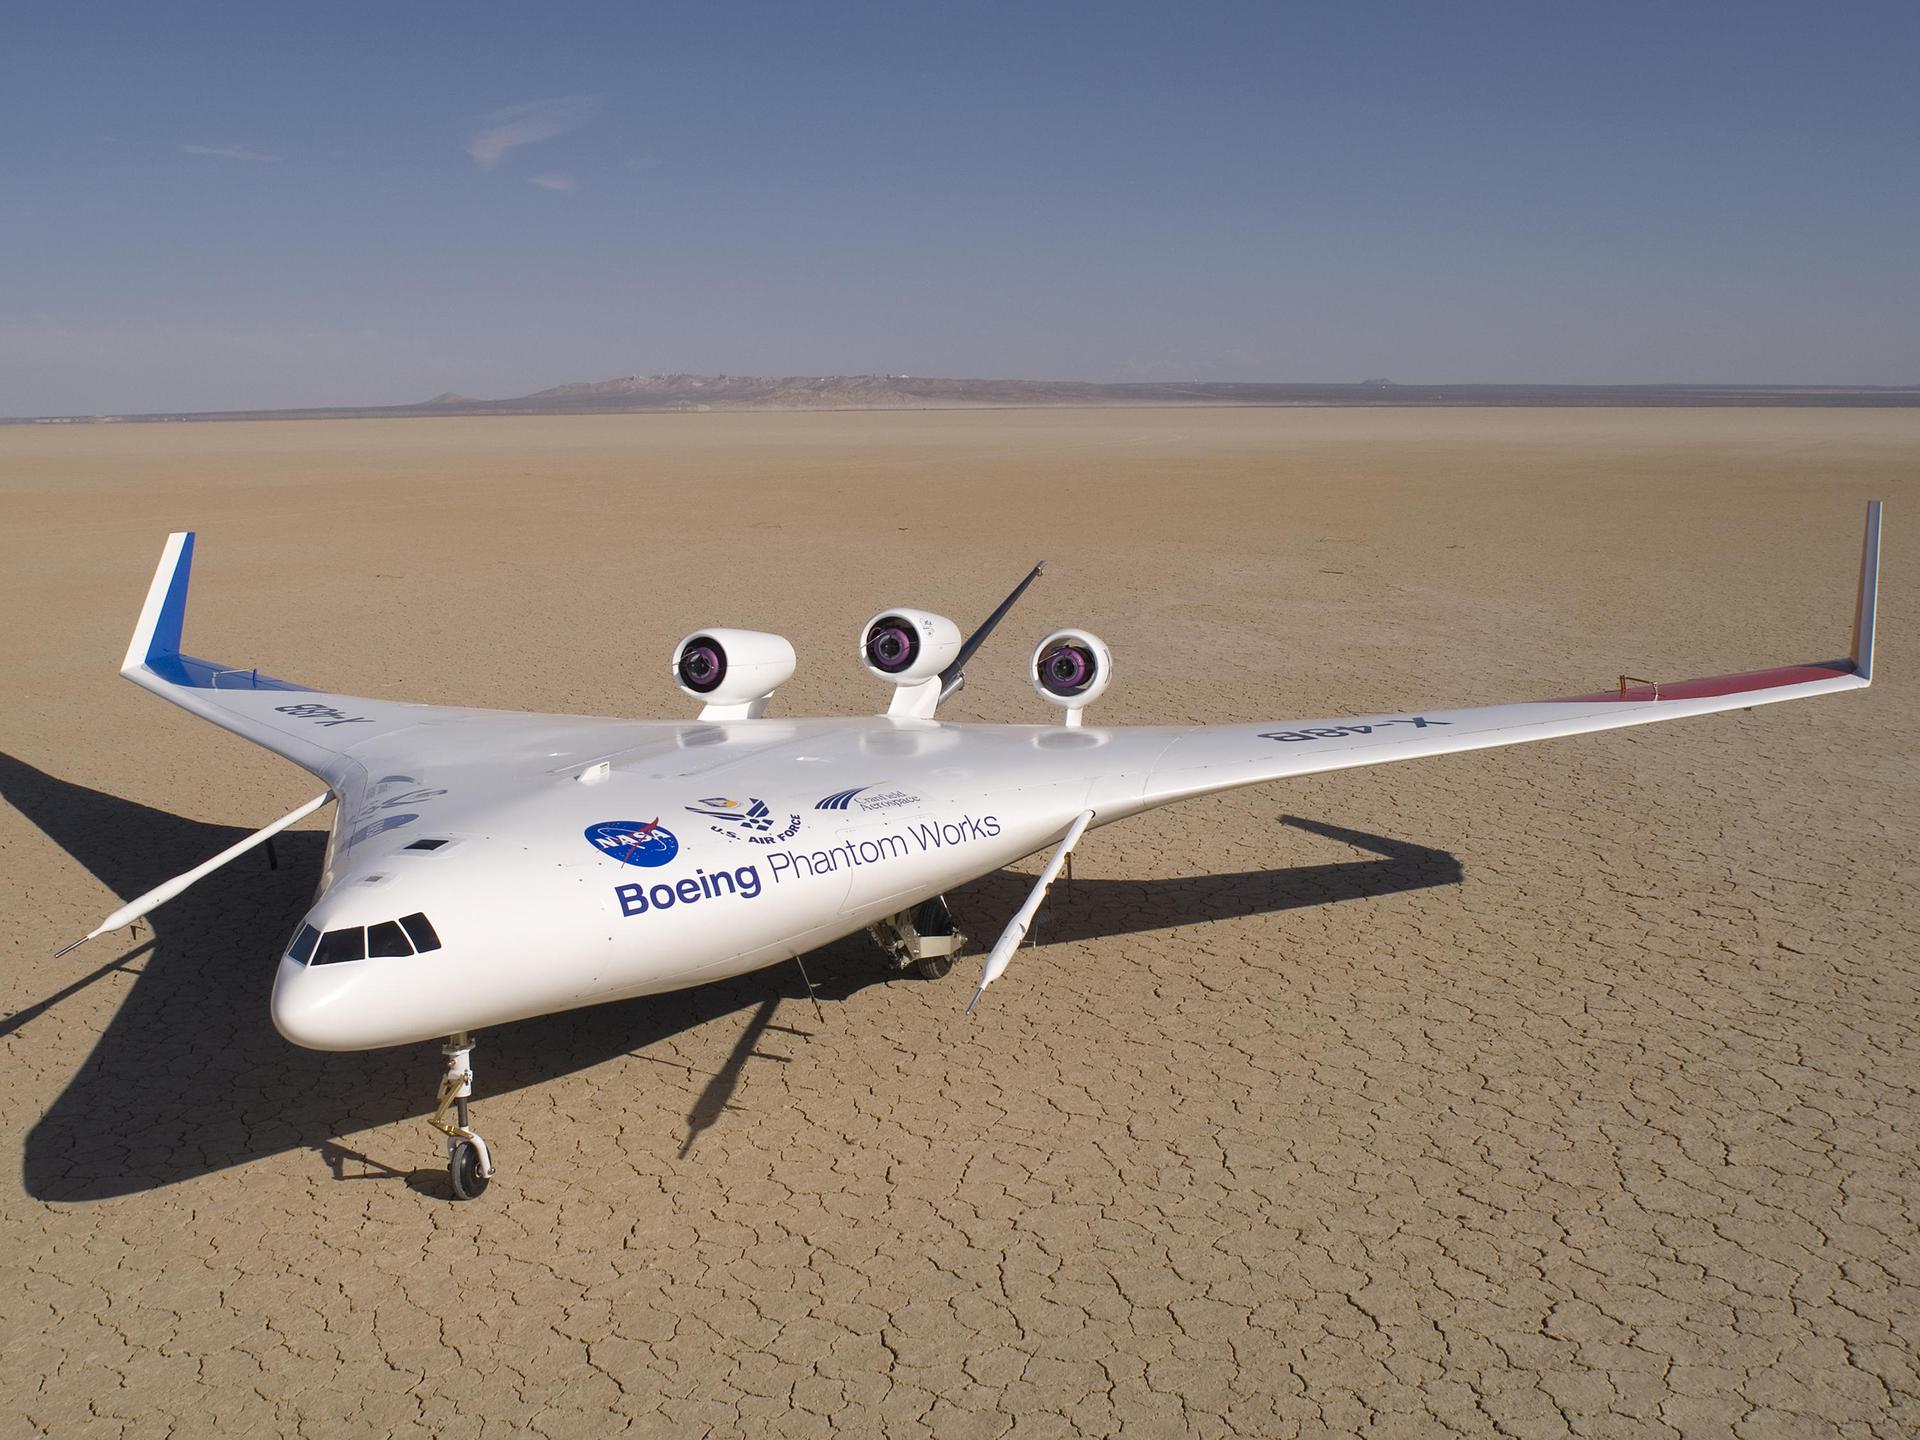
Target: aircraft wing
354 743
337 737
314 729
1205 759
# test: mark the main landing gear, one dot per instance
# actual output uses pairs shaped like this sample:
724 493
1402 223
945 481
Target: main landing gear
923 938
468 1163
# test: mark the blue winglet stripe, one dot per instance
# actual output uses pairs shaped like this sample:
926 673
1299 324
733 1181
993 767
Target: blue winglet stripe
169 628
172 620
210 675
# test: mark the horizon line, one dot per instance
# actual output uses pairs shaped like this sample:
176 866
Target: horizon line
601 396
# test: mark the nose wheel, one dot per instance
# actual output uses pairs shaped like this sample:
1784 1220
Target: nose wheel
469 1165
468 1168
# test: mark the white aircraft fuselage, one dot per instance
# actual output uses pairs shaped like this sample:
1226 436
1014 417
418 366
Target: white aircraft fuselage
562 893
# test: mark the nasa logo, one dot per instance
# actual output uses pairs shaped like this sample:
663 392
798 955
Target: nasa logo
379 827
369 821
634 842
749 820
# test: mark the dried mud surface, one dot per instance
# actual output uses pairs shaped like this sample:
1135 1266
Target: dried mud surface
1567 1090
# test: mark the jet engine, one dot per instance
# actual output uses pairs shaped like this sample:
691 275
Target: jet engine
735 672
908 649
904 647
1072 668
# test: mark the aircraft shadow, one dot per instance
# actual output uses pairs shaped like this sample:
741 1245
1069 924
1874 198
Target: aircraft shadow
189 1076
1088 909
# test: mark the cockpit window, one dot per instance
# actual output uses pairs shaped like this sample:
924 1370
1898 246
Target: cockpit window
386 939
420 931
338 945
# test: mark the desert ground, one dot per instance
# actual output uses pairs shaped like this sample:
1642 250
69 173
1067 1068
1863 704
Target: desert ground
1562 1090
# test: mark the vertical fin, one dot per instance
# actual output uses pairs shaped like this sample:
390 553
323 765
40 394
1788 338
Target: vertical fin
1869 593
163 618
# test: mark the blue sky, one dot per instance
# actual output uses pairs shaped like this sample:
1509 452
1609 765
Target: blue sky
211 206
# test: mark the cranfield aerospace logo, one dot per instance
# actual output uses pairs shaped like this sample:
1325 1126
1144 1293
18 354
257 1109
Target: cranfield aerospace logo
750 820
867 799
634 842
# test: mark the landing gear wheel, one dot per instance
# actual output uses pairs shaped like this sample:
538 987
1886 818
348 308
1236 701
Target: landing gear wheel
921 939
468 1170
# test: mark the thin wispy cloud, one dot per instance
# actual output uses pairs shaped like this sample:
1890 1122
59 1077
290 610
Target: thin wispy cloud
227 152
562 183
528 124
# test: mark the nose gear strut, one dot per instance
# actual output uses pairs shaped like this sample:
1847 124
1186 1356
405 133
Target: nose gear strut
469 1164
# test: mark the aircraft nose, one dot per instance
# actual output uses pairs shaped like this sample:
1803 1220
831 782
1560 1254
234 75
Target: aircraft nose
312 1007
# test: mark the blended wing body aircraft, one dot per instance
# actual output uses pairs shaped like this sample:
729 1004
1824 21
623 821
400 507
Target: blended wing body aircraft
488 866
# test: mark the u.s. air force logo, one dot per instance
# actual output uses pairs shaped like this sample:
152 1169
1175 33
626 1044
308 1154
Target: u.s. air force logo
750 820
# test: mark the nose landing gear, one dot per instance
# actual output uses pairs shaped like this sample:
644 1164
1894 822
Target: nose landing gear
469 1164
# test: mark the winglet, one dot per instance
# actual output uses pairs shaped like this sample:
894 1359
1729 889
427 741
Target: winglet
163 617
1869 593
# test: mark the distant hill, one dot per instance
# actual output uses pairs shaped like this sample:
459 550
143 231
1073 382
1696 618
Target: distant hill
852 392
666 393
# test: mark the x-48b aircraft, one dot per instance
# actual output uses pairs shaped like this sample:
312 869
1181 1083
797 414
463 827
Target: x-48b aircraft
644 856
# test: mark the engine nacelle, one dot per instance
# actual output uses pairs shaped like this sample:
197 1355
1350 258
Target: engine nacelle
908 649
1071 669
904 647
734 671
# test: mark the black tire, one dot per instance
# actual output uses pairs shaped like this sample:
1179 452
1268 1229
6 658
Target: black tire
469 1177
933 967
